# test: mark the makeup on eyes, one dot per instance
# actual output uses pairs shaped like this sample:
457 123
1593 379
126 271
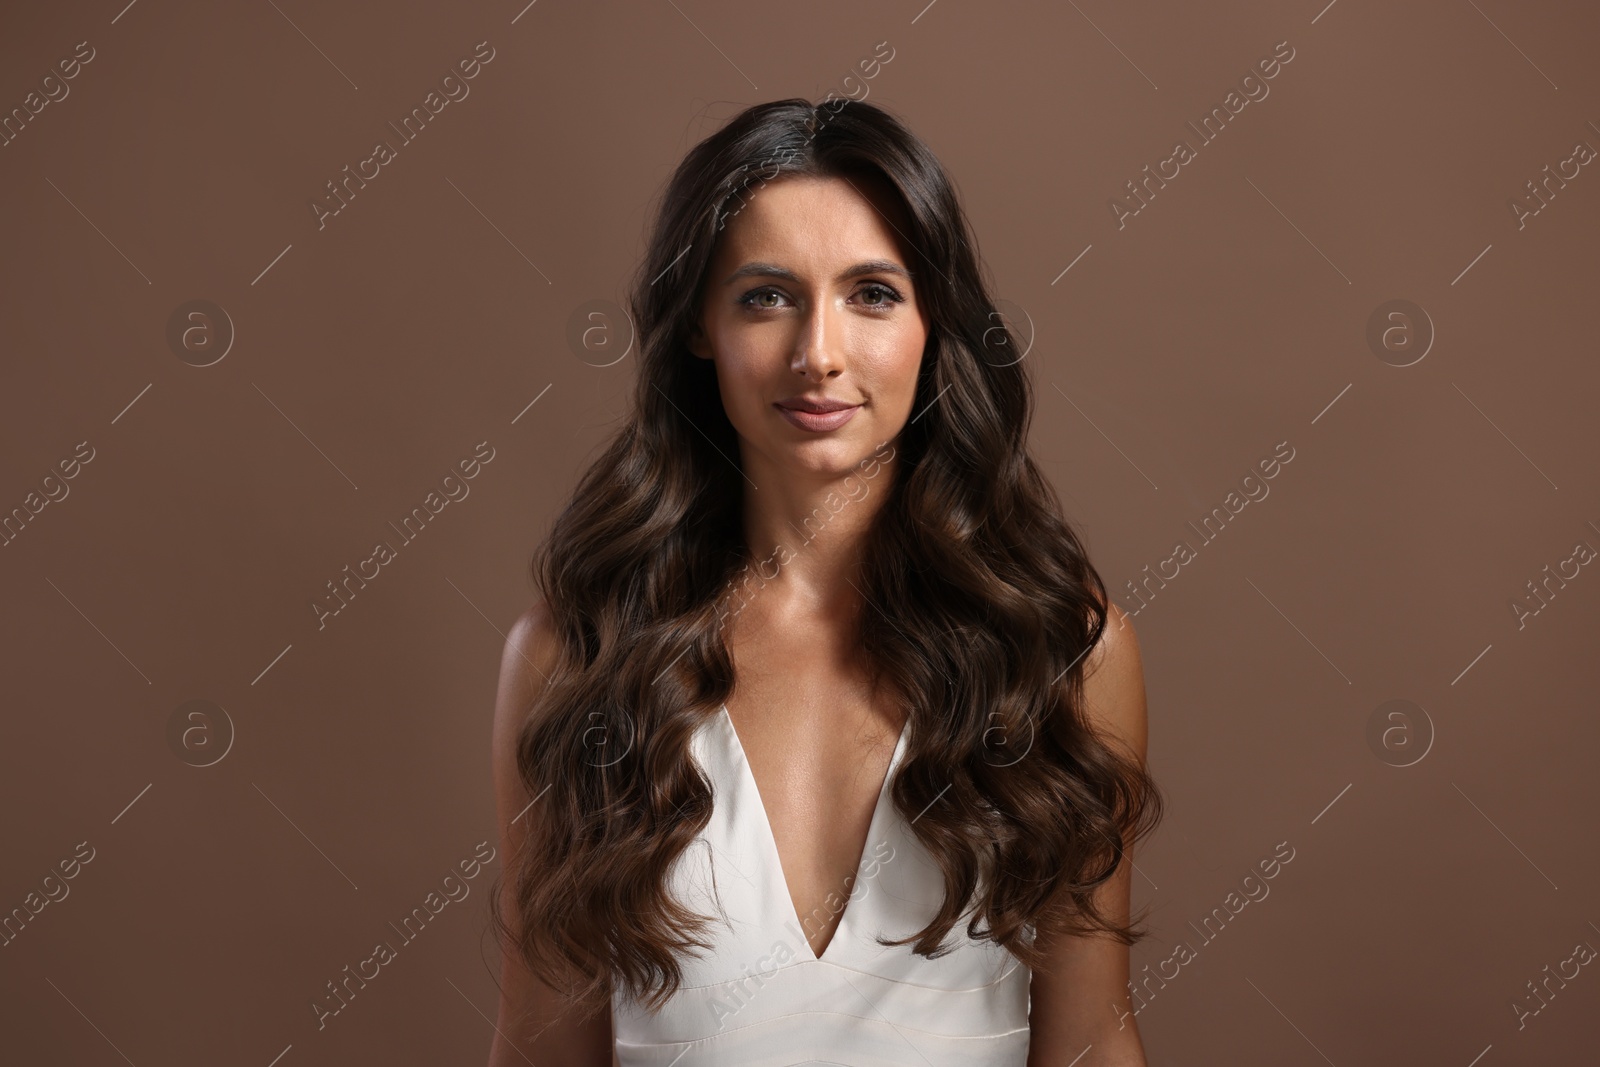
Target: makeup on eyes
891 296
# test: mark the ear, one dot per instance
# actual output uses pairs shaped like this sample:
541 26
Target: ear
697 341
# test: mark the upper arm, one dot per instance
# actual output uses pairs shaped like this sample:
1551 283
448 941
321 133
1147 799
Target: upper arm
1114 685
530 1011
1080 998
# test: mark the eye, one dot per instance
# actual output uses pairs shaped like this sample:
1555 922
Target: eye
755 298
885 296
875 295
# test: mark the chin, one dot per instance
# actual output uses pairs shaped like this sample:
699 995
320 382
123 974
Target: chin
834 457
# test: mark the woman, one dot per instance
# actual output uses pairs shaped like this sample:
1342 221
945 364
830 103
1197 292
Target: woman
819 743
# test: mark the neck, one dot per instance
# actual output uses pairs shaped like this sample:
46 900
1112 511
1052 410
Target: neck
807 536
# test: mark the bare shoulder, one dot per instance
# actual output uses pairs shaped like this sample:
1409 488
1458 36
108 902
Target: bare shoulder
531 645
535 1023
527 659
1080 996
1114 682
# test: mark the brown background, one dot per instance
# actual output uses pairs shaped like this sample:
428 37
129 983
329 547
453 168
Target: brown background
1229 315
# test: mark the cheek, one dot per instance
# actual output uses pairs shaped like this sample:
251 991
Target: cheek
895 362
742 378
743 350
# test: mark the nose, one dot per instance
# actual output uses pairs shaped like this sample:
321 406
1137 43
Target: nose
819 347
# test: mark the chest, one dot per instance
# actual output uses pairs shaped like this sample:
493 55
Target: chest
765 992
817 742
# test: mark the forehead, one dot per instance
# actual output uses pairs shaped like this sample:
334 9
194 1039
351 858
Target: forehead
803 221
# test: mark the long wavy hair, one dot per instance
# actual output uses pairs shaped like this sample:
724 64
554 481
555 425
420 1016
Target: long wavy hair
986 608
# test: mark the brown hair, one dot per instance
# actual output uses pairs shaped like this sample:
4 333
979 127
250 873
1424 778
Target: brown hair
986 604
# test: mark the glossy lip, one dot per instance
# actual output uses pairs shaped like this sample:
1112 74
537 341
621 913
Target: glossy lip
802 403
818 421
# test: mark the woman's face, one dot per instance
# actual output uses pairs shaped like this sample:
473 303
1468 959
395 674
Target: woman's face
808 299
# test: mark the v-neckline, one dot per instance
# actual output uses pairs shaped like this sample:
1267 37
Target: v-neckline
874 828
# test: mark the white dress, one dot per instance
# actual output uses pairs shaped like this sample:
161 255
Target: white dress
763 998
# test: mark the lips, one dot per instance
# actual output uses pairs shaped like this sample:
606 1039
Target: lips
817 416
819 407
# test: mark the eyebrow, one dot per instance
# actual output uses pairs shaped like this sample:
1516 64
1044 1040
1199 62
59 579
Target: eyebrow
772 270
